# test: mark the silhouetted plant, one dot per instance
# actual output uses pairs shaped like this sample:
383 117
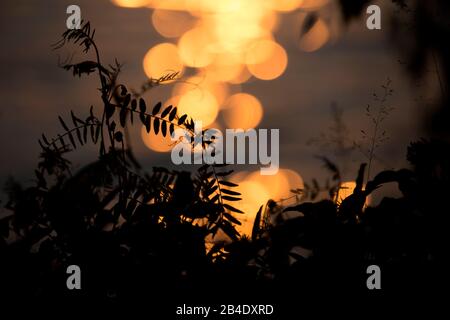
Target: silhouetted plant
337 141
135 233
372 141
212 189
161 213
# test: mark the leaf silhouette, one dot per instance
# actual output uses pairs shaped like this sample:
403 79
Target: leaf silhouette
156 126
148 124
228 183
163 128
231 192
182 119
231 208
123 117
63 123
173 113
232 219
229 198
256 224
166 111
156 108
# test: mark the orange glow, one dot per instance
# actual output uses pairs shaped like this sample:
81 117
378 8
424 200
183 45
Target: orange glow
313 4
294 179
216 125
131 3
233 28
260 51
225 68
162 59
227 43
269 21
200 105
315 38
172 4
193 48
285 5
280 184
220 90
272 67
242 111
156 143
346 189
276 184
238 177
254 194
243 76
256 190
171 24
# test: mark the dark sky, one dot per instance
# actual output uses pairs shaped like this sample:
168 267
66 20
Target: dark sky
346 71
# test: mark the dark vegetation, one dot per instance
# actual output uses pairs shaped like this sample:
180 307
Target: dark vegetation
419 33
137 234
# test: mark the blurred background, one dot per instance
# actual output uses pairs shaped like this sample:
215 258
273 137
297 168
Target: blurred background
291 65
